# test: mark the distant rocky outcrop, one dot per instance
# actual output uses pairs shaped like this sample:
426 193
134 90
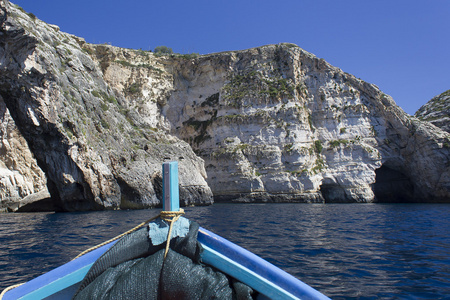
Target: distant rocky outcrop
273 123
437 111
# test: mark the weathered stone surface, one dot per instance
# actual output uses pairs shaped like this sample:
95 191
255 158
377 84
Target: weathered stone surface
267 124
20 176
93 147
278 121
437 111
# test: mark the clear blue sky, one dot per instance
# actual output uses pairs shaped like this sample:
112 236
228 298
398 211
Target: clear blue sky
401 46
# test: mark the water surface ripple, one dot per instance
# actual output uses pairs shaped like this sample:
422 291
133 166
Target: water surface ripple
346 251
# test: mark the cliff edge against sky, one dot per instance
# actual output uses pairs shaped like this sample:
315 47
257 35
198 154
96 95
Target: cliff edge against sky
88 126
437 111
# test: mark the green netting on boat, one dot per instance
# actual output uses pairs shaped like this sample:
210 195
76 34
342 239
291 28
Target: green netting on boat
135 269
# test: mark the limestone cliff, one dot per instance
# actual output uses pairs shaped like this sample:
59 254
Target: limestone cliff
273 123
437 111
277 122
21 179
93 147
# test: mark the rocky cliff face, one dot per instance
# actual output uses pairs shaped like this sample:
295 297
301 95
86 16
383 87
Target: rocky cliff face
277 122
273 123
90 143
437 111
21 179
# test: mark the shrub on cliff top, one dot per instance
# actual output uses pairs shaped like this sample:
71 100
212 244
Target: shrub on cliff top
163 50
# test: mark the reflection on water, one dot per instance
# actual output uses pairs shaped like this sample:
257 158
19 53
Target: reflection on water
347 251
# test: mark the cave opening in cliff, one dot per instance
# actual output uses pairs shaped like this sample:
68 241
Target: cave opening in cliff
392 186
129 195
40 201
333 193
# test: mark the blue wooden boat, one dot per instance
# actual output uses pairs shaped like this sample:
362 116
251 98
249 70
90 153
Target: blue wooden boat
238 263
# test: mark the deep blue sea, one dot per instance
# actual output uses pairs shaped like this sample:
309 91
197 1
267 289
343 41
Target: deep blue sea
346 251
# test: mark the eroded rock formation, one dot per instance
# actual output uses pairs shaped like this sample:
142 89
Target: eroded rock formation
21 179
93 147
277 122
273 123
437 111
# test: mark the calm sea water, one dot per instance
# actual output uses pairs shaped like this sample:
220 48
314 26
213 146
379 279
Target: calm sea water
346 251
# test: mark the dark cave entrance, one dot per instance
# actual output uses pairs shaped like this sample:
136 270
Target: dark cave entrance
392 186
333 193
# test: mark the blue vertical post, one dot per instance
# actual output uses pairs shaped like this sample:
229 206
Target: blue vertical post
171 200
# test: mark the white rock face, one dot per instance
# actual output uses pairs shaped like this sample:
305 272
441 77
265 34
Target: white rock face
437 111
20 175
276 122
101 146
273 123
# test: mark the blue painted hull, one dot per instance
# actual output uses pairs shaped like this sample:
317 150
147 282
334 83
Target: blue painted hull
274 283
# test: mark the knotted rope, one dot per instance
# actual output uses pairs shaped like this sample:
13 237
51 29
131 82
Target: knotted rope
171 217
168 216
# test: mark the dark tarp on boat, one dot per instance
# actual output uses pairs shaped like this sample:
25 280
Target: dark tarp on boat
135 269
